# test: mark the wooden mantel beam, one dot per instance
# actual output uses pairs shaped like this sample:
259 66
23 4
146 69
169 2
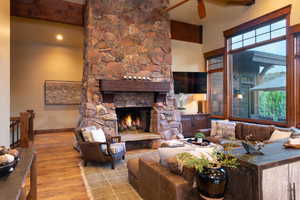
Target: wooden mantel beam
72 13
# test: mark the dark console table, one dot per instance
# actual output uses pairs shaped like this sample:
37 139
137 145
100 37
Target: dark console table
273 176
193 123
12 187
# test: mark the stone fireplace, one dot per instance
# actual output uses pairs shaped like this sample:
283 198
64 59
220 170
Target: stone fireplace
128 67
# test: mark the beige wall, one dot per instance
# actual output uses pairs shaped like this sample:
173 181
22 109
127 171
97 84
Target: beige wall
36 57
5 71
188 57
228 17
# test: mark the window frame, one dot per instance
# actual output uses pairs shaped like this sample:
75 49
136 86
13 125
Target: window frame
294 32
207 56
277 15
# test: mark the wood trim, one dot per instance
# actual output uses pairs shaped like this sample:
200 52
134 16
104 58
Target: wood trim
44 131
215 70
296 62
260 21
214 53
186 32
216 117
295 29
291 80
257 121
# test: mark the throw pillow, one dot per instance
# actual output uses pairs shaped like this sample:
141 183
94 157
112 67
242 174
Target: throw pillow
279 135
228 129
87 136
98 135
214 127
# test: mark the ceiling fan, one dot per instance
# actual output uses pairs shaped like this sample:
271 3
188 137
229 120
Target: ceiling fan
201 5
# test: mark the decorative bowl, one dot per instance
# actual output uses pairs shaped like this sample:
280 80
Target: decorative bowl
8 168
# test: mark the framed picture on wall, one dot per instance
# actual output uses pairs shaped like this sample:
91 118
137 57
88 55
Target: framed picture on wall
62 92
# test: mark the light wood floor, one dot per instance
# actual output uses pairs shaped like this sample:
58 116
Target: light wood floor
59 175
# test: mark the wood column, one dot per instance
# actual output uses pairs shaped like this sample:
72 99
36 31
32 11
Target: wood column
24 129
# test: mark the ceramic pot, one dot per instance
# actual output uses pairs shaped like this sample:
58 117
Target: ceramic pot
212 182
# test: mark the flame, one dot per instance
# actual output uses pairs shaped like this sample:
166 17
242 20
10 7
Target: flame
128 121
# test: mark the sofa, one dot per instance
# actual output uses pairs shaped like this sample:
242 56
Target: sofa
241 131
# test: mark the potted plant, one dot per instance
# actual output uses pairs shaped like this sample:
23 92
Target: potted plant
199 137
181 100
211 174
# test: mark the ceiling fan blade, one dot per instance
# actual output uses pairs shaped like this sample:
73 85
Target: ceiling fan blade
201 9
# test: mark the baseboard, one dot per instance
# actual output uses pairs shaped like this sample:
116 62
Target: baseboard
54 130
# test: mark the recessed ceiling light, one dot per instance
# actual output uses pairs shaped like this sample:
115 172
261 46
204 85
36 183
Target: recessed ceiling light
59 37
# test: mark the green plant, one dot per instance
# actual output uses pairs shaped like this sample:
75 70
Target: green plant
199 135
219 159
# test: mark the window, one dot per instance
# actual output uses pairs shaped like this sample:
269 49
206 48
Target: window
215 69
261 34
259 82
258 68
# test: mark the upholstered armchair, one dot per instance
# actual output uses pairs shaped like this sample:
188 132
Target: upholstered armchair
110 151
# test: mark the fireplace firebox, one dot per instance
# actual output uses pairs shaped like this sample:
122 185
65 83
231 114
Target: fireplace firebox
134 119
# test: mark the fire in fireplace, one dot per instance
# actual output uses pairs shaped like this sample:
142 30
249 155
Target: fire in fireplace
133 120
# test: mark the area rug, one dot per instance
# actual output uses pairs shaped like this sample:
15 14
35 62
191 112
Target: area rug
103 183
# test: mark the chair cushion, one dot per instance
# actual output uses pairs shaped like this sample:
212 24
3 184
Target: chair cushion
114 148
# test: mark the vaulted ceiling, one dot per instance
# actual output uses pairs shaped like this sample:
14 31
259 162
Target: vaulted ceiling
188 12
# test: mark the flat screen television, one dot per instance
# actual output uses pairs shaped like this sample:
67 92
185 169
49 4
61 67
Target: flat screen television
190 82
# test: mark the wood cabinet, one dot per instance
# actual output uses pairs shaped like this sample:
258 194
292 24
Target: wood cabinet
282 182
272 176
192 123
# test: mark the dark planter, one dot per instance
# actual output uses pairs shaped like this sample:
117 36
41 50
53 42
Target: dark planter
212 182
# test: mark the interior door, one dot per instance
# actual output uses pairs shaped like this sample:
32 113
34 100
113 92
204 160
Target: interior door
294 173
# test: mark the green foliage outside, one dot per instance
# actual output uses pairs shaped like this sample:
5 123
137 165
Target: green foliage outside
272 105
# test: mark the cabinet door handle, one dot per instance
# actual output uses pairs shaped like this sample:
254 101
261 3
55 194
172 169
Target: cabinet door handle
290 191
294 191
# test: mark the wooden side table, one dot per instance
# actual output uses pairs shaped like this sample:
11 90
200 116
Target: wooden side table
12 187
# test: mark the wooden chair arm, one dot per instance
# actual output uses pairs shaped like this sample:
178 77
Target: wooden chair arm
117 138
85 146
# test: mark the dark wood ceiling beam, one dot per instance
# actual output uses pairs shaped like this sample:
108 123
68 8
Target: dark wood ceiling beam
72 13
51 10
240 2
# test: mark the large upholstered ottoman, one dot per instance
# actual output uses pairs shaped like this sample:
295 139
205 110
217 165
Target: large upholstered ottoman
155 182
133 173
